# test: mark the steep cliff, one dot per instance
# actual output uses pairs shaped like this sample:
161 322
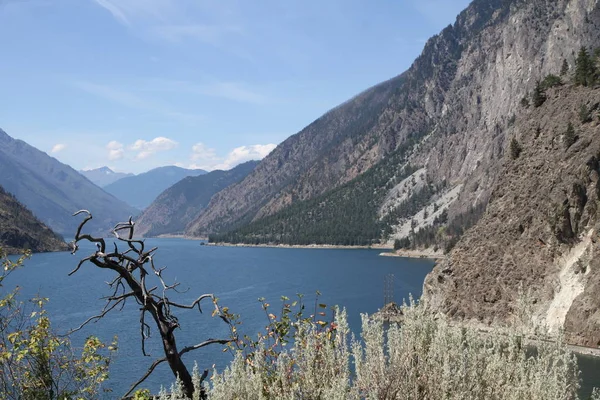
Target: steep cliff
20 230
541 229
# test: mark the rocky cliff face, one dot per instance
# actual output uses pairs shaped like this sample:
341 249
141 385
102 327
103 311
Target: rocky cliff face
452 106
20 230
540 230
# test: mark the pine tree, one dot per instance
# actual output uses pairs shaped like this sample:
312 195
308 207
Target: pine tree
569 137
584 68
565 68
539 96
515 149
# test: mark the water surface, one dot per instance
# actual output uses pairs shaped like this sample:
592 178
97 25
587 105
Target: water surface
238 276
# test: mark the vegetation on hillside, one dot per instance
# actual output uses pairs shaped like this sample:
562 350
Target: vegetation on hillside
347 215
21 230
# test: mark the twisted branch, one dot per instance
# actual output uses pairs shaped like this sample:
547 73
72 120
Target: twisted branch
133 267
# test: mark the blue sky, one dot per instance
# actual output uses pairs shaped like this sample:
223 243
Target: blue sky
136 84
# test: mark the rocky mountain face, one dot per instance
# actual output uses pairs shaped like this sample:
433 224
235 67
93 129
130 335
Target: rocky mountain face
139 191
181 203
539 236
20 230
54 191
447 116
103 176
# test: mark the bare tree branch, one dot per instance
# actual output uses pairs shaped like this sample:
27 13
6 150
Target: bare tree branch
146 375
134 267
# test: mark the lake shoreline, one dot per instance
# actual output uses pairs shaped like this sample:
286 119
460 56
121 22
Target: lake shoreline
426 253
298 246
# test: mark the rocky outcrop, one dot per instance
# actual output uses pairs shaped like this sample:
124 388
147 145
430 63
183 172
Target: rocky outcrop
20 230
540 231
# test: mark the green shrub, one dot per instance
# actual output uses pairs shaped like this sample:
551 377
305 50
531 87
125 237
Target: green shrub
569 137
35 363
538 96
551 81
585 115
515 149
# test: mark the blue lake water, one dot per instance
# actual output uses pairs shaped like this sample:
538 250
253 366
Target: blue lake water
238 276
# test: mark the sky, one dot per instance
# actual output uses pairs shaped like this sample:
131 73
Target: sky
138 84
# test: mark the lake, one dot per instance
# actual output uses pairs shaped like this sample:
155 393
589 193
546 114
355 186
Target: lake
238 276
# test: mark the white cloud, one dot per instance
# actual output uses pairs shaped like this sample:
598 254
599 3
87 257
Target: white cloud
205 157
145 149
247 153
58 147
116 150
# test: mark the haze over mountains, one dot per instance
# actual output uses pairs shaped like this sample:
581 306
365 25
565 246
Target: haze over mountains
103 176
184 201
140 190
54 191
19 229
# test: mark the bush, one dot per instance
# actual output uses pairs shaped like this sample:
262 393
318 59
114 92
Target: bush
515 149
551 81
585 115
539 95
569 137
36 364
423 358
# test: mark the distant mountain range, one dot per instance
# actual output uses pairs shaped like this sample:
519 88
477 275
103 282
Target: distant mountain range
181 203
20 229
140 190
103 176
53 191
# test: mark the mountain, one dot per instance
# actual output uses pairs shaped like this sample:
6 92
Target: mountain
103 176
53 191
141 190
174 208
459 152
443 121
20 230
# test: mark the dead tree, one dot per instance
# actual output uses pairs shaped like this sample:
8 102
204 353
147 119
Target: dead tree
134 268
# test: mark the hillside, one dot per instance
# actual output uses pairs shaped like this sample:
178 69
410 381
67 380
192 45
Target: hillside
53 191
20 230
448 115
103 176
540 229
175 207
139 191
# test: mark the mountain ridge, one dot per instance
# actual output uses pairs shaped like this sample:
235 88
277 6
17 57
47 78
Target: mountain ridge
54 191
150 184
103 176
